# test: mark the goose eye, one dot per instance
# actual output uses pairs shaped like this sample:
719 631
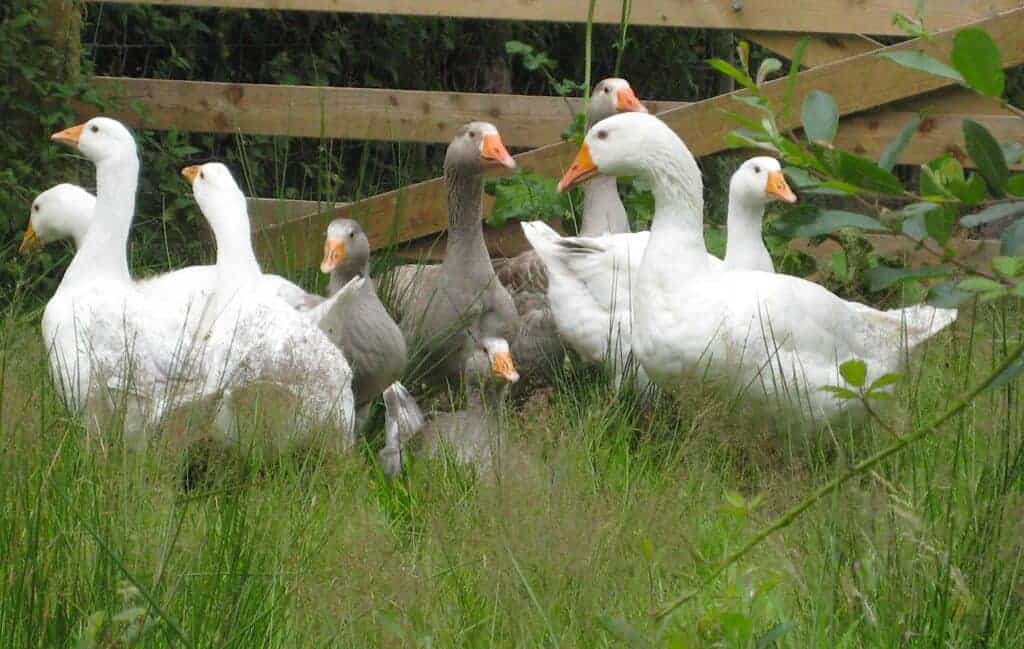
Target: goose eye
35 207
202 175
472 134
94 128
757 169
602 135
351 235
607 90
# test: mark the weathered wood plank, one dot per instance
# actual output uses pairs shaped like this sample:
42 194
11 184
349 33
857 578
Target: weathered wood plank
333 113
830 16
823 48
858 83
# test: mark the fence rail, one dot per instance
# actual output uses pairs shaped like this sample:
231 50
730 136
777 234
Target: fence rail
813 16
876 98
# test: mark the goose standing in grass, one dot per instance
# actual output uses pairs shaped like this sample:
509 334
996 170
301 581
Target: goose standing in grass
593 279
99 330
253 337
455 305
473 434
775 337
538 349
362 328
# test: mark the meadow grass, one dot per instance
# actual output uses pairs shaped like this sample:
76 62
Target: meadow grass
604 509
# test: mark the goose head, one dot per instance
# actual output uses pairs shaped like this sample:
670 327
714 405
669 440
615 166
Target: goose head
346 249
218 195
490 365
759 181
61 212
100 139
611 96
627 144
476 147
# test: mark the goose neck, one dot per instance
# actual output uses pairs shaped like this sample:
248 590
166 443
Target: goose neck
677 232
103 253
744 244
603 211
466 246
236 260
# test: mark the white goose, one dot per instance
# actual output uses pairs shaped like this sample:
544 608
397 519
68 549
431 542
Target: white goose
775 336
99 330
252 336
592 279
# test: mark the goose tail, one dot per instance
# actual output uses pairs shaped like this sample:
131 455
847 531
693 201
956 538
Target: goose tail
924 321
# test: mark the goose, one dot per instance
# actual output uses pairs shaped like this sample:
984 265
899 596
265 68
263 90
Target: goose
361 327
777 337
460 302
472 434
252 336
593 279
537 348
100 331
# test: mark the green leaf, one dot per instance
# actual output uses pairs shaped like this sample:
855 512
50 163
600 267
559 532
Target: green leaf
882 277
525 196
865 173
1015 185
840 392
812 222
994 213
820 116
1009 266
885 380
979 285
939 224
918 60
987 154
1009 374
976 57
970 192
892 152
732 71
854 372
768 66
947 296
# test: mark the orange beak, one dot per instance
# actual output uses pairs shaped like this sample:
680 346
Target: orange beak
581 170
626 101
334 254
779 188
493 151
191 173
69 136
30 241
503 367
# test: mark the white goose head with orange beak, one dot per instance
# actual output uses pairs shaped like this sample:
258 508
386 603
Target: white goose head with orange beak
61 212
612 96
759 181
100 139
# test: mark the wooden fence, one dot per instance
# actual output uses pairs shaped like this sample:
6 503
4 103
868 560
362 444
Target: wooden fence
876 97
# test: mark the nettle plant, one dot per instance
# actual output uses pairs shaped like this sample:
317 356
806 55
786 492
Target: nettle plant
947 196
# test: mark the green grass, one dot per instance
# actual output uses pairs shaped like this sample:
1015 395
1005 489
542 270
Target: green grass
604 510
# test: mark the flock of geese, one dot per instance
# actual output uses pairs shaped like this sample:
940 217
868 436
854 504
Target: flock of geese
655 301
